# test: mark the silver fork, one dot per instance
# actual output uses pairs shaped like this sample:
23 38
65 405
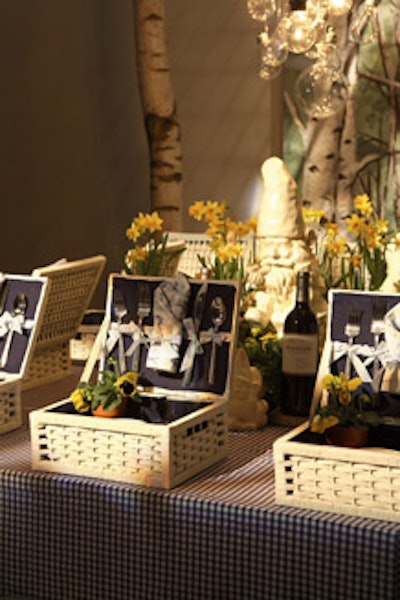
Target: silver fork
377 327
120 311
218 316
352 330
143 311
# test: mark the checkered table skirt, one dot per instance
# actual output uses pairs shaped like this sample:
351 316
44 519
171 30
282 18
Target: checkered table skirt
218 536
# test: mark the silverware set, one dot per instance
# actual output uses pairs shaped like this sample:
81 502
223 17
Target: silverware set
143 311
217 315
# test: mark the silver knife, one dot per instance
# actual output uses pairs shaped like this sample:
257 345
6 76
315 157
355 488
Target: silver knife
198 310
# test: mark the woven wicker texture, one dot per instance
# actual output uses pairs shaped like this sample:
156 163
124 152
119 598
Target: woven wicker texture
198 244
360 482
72 285
10 413
160 455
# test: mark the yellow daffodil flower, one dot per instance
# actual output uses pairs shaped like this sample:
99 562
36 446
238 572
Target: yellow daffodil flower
363 204
356 259
133 233
153 222
355 224
331 229
337 247
312 215
252 223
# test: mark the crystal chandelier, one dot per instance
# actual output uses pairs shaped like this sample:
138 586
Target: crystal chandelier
308 27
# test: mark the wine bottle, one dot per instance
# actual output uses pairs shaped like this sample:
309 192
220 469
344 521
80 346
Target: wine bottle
299 353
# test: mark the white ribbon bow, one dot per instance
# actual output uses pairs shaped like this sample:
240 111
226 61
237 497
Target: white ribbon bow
14 323
115 332
139 337
163 354
358 352
193 348
173 341
218 337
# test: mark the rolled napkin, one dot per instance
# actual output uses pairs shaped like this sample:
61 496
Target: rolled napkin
387 379
392 331
169 309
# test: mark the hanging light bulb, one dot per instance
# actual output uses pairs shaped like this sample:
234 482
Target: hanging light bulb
268 73
300 32
338 8
320 92
300 26
364 28
273 48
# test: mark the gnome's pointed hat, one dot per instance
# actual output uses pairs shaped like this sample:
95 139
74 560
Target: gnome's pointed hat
280 213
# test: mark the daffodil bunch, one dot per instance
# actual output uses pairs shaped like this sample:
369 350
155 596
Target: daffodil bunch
353 259
109 391
226 239
148 256
344 402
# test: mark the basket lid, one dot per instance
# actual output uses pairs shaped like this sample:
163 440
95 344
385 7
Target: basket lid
180 332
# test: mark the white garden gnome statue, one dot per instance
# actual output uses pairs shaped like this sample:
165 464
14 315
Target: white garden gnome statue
246 409
282 250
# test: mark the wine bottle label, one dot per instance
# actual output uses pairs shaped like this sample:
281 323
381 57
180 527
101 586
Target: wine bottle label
299 354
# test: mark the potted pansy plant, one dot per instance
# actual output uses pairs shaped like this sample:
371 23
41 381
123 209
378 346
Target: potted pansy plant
346 411
110 395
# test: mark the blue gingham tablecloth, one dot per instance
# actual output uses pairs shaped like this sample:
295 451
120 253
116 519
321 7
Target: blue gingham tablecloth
218 536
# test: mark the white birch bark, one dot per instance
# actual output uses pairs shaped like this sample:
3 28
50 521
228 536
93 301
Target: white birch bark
159 108
331 165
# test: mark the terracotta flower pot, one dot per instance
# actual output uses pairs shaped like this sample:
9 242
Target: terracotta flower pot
349 437
119 411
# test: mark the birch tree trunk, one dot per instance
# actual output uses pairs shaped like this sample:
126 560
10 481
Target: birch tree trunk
333 166
160 115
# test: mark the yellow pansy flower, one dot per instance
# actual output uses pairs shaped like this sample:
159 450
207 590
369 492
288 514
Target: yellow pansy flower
321 424
127 383
79 400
